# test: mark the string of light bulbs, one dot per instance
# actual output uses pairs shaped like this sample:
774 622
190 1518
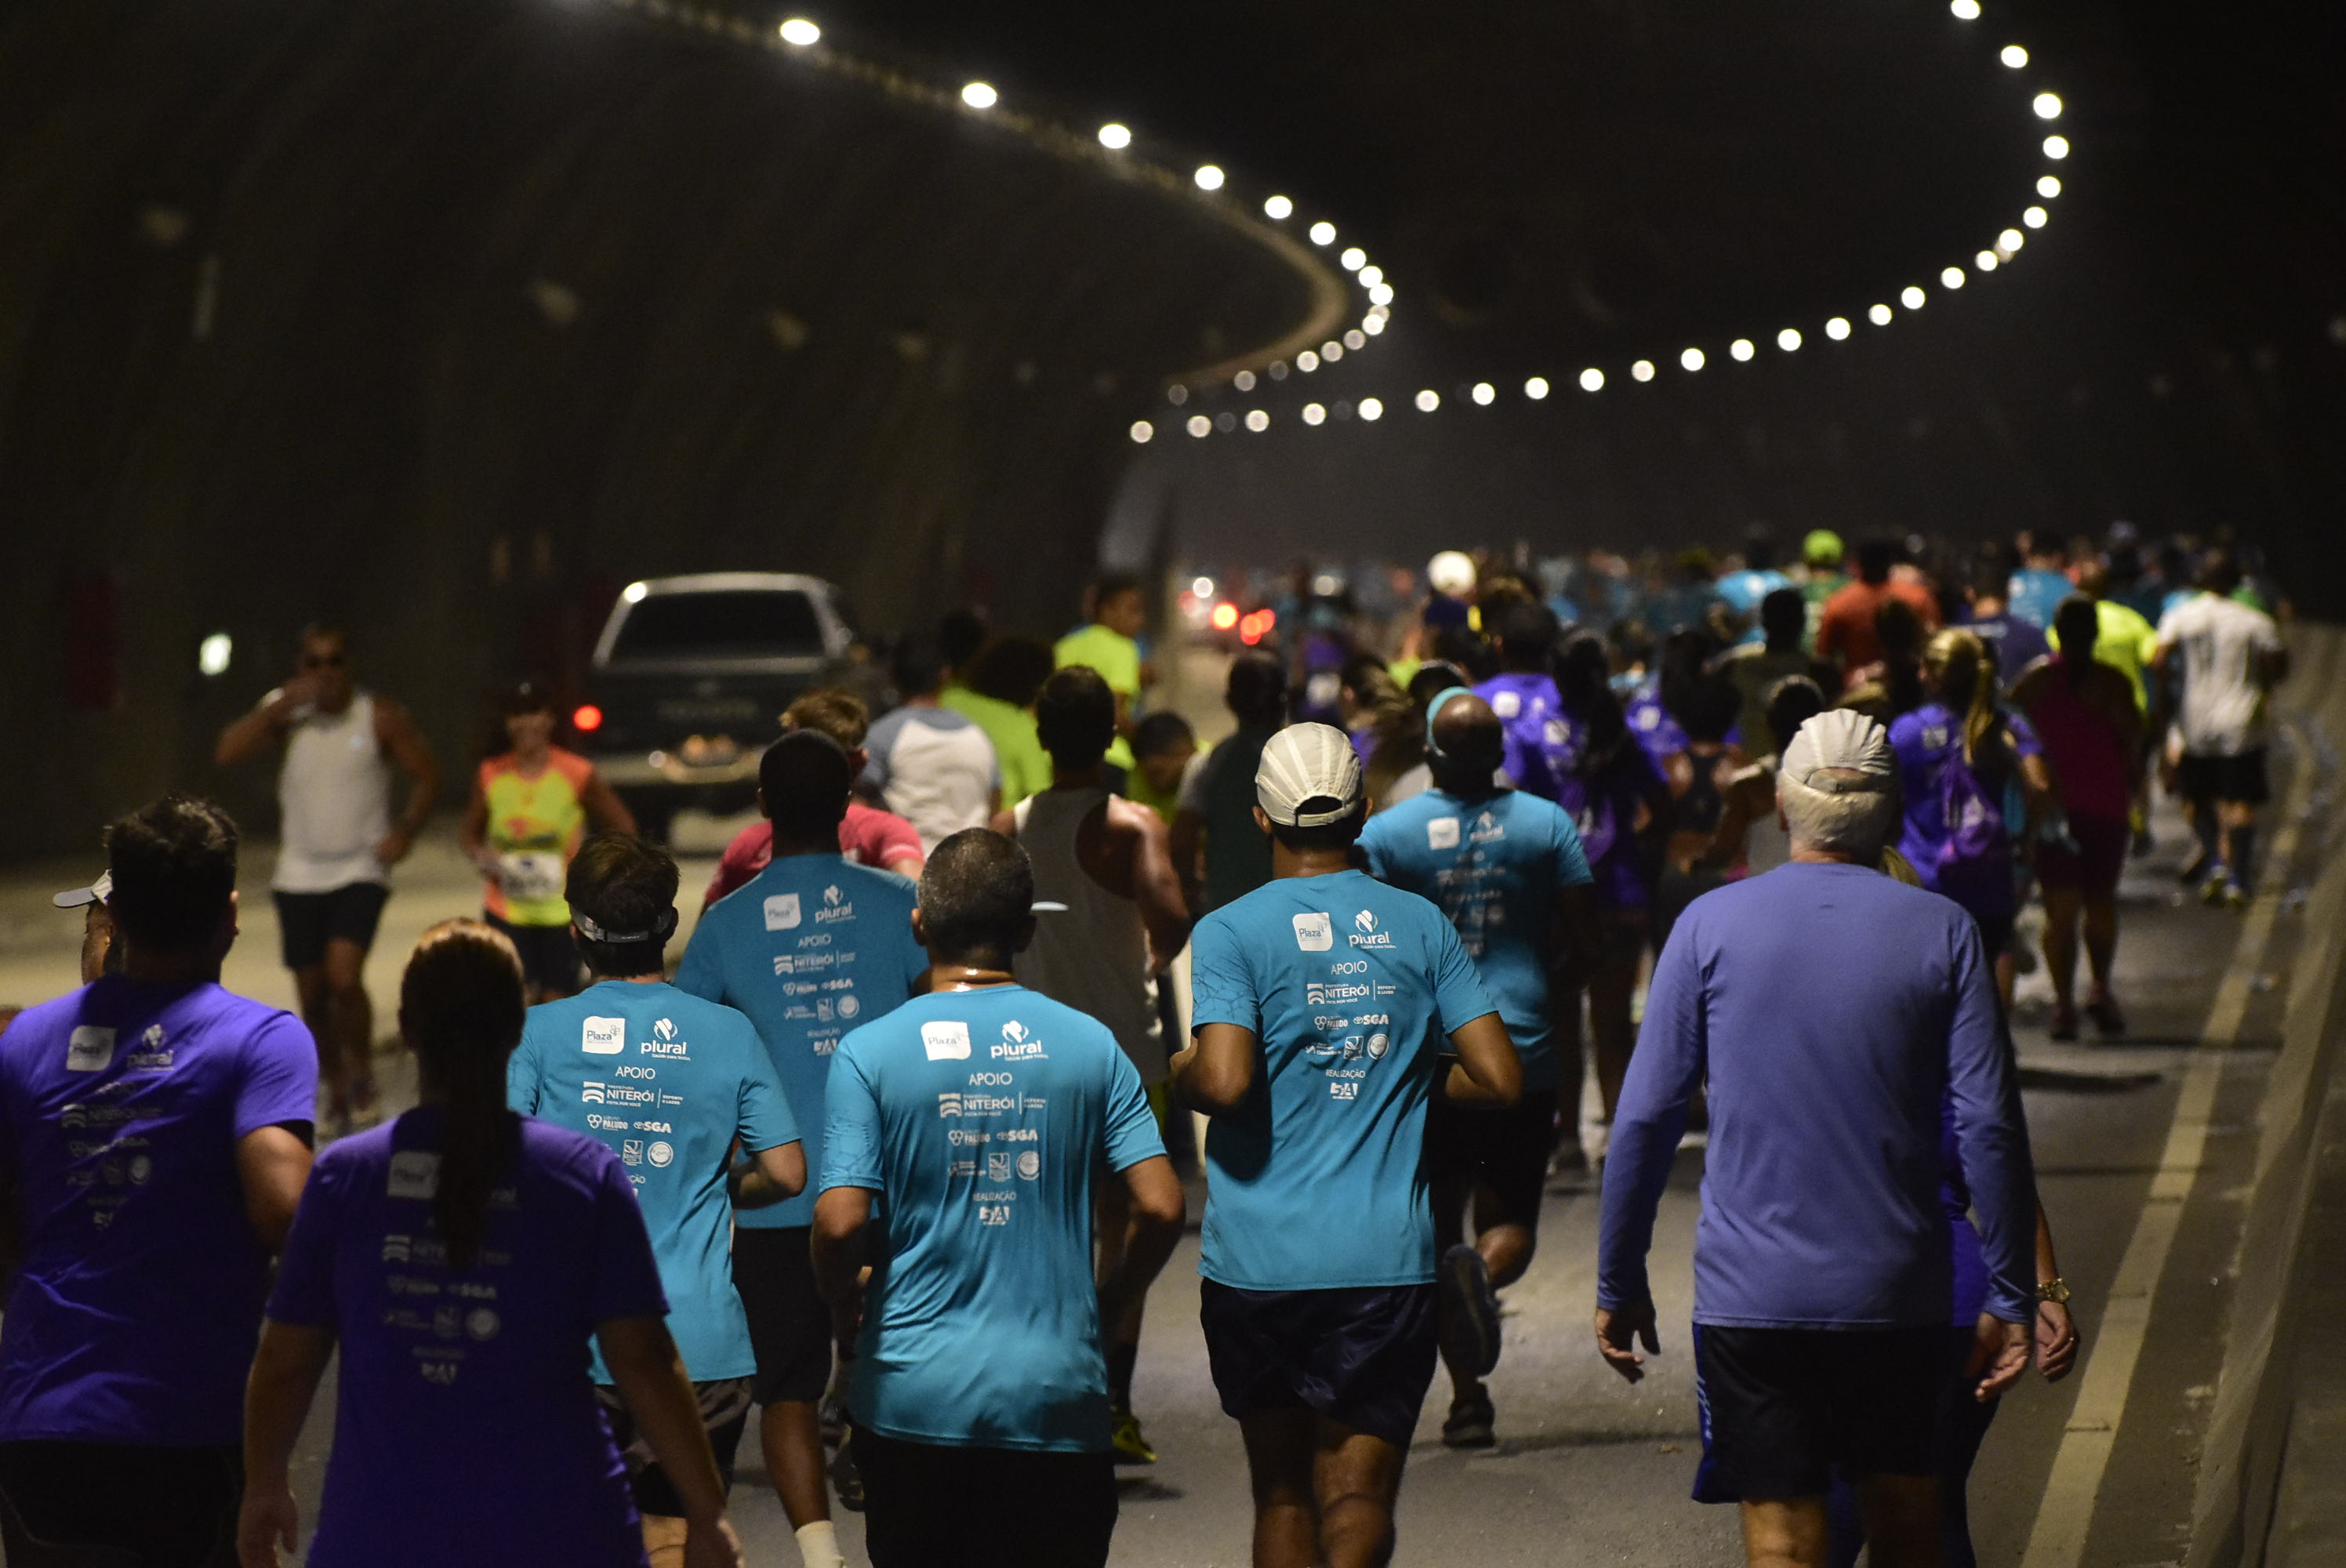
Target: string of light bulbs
2046 106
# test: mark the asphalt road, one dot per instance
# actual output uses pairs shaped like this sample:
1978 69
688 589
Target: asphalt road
1588 1470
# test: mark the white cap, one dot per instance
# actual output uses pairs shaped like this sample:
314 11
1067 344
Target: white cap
1303 763
97 892
1451 573
1840 740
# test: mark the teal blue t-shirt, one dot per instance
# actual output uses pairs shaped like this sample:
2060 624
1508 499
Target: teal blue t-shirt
810 948
1314 1183
1495 866
981 1118
667 1081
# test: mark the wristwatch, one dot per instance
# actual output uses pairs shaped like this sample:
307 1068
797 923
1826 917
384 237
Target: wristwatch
2054 1290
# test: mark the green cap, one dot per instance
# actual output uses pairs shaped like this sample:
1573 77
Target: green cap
1821 548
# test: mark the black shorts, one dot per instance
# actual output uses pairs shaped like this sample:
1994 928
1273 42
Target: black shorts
165 1507
307 921
1507 1151
549 959
925 1503
1784 1407
790 1322
2240 780
724 1412
1364 1357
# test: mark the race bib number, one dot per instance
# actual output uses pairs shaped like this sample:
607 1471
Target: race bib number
530 876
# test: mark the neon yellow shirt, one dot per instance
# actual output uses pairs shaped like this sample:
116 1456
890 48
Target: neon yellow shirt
2122 640
535 826
1118 659
1026 766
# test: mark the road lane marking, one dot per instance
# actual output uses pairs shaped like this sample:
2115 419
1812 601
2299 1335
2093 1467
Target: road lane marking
2065 1514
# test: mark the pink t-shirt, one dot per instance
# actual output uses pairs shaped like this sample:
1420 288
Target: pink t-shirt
868 836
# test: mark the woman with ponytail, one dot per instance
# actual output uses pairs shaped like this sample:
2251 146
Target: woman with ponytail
1957 753
461 1257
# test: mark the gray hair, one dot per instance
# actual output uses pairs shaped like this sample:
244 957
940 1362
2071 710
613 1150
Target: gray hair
1854 821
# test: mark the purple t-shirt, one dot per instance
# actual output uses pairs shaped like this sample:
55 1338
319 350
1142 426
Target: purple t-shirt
134 1317
465 1429
1925 741
1660 736
1838 1018
1541 744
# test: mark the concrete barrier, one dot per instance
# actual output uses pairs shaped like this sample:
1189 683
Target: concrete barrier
2240 1464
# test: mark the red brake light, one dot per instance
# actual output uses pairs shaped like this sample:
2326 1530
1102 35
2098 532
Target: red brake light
587 717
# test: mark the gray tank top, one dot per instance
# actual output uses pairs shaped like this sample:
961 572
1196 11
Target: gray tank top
1093 956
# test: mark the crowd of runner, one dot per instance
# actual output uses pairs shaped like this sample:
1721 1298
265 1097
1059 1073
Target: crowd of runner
882 1153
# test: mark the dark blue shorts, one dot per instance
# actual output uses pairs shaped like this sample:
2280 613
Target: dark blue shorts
1364 1357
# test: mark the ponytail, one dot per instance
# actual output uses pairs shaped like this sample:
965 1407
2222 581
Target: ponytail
1961 675
1982 720
460 1007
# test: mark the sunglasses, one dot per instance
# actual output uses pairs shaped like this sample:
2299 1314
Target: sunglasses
324 661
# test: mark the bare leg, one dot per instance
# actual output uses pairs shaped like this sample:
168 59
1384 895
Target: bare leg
1280 1450
1450 1195
2101 941
317 1013
2061 906
1786 1533
349 1022
793 1440
1901 1521
1355 1479
1610 989
664 1540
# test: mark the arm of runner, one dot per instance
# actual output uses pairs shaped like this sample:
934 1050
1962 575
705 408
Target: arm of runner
1580 928
272 1164
1155 885
286 1368
1216 1072
2056 1332
1487 1071
770 1177
1184 841
397 734
268 722
604 807
651 1377
474 835
840 1216
1158 1212
1992 1146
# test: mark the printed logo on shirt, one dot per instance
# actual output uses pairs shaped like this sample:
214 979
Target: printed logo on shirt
631 1151
591 1092
1030 1165
1378 1046
833 909
781 912
1365 933
664 1029
946 1040
1556 733
997 1166
414 1174
1017 1047
664 1041
661 1154
848 1007
1649 719
1441 833
481 1324
1314 932
1506 704
1488 830
783 963
949 1104
90 1049
603 1036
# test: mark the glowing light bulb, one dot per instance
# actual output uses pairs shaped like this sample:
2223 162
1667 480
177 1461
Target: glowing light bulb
1486 393
1331 350
1115 138
1141 432
1691 359
1428 400
2035 217
1380 294
1373 323
1323 233
2014 55
1788 338
1985 261
1836 328
2048 186
2056 148
213 654
2048 106
2010 241
1879 315
1209 176
1643 371
1278 208
1911 297
1258 421
1742 350
980 96
1370 409
1353 259
1372 275
798 33
1968 10
1591 379
1313 414
1200 427
1201 588
1952 278
1306 361
1536 388
634 592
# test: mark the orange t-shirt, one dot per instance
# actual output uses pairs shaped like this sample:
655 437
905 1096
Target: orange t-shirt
1845 631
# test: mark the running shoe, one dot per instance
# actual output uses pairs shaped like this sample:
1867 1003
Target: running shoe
2199 866
2218 879
2064 1022
2106 1017
846 1480
1472 1422
2228 894
1469 1311
1131 1447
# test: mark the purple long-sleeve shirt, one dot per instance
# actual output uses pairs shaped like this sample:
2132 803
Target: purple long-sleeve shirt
1832 1011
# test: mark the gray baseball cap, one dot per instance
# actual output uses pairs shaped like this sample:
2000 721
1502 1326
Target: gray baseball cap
97 892
1303 763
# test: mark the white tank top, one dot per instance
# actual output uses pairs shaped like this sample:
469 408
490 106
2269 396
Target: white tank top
333 801
1094 955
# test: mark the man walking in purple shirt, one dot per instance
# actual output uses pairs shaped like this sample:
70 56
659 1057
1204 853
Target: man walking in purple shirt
1822 1272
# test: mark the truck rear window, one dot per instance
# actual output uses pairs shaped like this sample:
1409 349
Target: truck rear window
746 623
